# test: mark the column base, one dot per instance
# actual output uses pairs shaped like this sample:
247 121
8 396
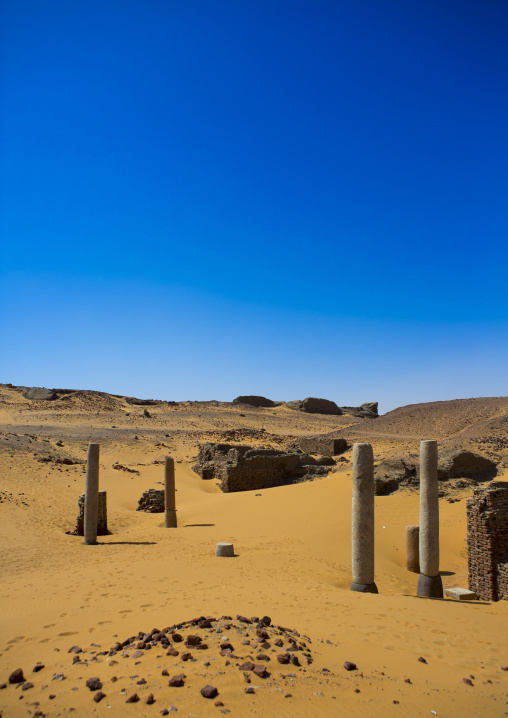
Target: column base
364 587
170 519
429 586
89 543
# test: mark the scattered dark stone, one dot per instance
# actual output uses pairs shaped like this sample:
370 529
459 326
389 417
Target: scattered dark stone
209 691
76 659
247 666
262 633
17 676
38 667
186 656
283 658
265 645
266 620
2 686
467 681
263 657
422 660
246 642
165 712
94 684
278 642
150 699
504 668
141 682
133 699
294 660
205 624
176 681
99 696
407 680
172 652
114 679
396 702
261 671
243 619
51 696
192 640
165 672
226 646
288 695
349 666
249 689
218 704
357 690
74 649
177 638
26 686
254 401
137 654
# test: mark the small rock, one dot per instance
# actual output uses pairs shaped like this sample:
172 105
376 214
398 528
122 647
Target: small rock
26 686
283 658
186 656
218 704
165 672
266 620
261 671
467 681
60 677
172 652
278 642
264 657
137 654
209 691
422 660
141 682
193 640
76 659
74 649
94 684
407 680
17 676
38 667
247 666
114 679
396 702
294 660
504 668
99 696
349 666
249 689
133 699
176 681
288 695
2 686
177 638
150 699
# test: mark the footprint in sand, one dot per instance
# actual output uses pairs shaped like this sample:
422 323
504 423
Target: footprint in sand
68 633
50 625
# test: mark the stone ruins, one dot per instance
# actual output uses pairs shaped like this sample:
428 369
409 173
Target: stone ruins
430 584
362 527
152 501
487 541
102 518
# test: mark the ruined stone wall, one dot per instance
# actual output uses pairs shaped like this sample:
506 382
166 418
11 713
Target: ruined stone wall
102 521
152 501
487 541
324 445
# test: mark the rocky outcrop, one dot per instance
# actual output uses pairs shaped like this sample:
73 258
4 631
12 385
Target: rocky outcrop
365 411
254 401
323 444
244 468
36 393
389 475
455 463
313 405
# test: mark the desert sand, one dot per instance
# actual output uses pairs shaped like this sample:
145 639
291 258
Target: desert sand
292 563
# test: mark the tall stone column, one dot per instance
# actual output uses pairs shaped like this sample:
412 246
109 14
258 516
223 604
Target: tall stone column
169 494
91 495
430 584
363 519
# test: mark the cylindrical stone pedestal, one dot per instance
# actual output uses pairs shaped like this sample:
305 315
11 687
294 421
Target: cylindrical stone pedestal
169 494
413 548
91 495
363 519
430 584
224 549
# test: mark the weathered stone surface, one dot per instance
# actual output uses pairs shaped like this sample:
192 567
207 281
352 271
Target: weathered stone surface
365 411
254 401
362 528
413 548
91 513
152 501
17 676
243 468
36 393
454 463
102 517
313 405
209 691
487 541
429 518
460 594
224 549
322 444
391 474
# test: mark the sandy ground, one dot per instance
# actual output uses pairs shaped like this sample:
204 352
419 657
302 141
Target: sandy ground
293 564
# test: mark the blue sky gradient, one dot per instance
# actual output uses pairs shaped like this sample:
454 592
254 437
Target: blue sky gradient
200 199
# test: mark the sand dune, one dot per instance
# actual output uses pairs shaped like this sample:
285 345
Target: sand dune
292 564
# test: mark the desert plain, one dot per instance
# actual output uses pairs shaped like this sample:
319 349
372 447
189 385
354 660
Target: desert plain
292 563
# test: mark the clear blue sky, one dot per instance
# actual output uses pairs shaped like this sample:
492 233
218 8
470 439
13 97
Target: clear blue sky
284 197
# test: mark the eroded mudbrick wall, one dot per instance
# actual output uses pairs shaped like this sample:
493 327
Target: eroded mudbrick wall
152 501
102 520
487 541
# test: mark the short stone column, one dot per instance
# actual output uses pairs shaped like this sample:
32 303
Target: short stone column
224 549
91 495
363 519
430 584
169 493
413 548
